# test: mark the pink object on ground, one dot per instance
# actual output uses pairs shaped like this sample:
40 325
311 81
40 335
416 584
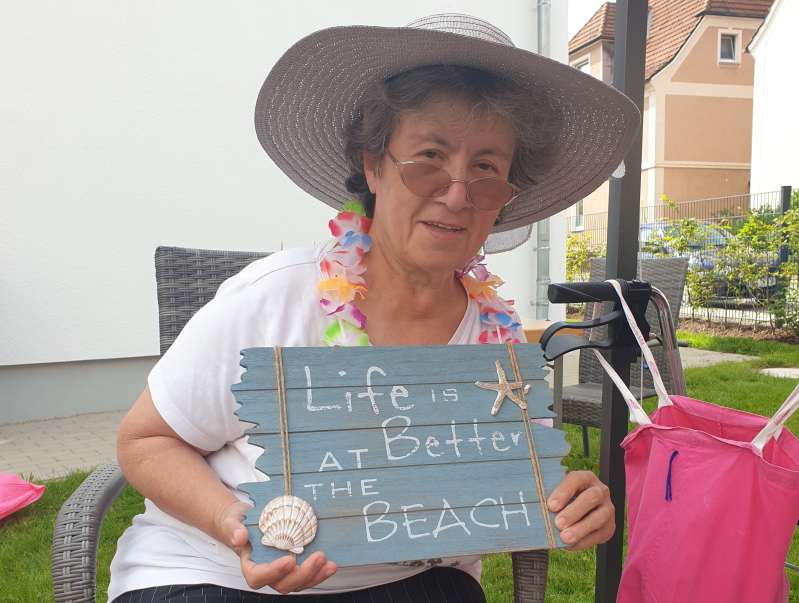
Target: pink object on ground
16 493
713 500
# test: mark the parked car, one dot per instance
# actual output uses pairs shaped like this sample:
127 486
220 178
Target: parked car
703 253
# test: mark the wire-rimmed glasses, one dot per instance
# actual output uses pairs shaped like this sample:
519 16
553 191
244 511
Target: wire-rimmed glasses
429 181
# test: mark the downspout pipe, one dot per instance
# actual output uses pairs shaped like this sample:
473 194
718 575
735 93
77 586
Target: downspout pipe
542 228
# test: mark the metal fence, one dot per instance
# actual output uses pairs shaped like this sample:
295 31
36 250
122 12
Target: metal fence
733 274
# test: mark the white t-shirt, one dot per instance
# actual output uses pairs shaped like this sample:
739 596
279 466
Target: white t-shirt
273 301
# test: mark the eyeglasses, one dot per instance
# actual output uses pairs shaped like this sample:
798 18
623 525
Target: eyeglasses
427 180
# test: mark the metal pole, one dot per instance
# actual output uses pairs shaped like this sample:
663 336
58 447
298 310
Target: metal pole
623 225
785 198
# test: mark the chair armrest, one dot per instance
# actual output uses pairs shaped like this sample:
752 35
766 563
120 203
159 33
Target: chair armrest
77 530
530 576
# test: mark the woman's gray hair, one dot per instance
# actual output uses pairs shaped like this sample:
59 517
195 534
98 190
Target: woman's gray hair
377 114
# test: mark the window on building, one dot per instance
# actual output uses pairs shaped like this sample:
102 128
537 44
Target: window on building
583 63
578 221
728 48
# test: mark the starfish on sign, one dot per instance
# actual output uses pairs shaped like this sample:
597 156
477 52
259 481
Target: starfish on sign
504 390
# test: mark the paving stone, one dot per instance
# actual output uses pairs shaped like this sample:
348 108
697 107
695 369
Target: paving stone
785 373
696 358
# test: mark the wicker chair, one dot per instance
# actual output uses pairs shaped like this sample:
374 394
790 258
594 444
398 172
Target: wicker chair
186 279
582 403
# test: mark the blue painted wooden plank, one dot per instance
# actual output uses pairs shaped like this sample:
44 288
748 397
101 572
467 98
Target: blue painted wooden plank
379 537
400 445
404 462
320 409
347 367
343 493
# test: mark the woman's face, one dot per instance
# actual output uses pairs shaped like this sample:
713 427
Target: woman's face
441 234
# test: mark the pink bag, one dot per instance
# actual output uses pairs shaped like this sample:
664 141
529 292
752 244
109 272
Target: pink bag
713 498
16 493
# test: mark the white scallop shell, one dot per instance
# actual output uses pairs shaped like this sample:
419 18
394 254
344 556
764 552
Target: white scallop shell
288 523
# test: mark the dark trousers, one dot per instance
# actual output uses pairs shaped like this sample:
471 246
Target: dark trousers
437 585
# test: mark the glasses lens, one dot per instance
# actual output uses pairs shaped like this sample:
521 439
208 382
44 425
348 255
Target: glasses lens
490 193
425 179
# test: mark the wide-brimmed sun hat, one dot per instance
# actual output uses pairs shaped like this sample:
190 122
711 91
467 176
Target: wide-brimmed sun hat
313 91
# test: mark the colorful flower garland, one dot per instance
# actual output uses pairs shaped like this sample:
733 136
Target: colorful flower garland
342 283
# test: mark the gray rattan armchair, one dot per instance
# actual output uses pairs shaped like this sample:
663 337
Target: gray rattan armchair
186 279
582 403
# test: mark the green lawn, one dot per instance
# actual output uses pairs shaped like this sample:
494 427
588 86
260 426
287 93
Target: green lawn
25 537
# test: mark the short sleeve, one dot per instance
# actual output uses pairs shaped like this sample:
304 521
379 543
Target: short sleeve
190 384
271 302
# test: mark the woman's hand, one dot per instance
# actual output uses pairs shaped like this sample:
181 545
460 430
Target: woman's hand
587 520
283 575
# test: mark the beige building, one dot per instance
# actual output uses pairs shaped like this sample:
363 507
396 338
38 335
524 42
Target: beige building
697 118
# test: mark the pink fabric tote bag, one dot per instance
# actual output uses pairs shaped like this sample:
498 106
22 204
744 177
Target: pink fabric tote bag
713 498
16 493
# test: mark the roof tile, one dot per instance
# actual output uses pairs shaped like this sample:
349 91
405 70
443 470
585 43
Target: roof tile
599 26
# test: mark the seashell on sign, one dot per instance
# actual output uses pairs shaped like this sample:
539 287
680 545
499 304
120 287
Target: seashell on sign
288 523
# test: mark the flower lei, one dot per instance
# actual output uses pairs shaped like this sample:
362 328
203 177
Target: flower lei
342 283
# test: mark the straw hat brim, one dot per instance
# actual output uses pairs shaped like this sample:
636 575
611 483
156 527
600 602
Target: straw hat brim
312 92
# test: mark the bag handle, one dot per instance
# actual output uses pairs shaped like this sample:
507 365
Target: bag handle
773 428
637 413
657 380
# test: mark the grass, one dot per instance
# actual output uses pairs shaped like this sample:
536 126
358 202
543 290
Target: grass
25 537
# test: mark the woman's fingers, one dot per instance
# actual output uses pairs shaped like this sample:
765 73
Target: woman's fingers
571 485
259 575
586 514
596 527
315 569
284 575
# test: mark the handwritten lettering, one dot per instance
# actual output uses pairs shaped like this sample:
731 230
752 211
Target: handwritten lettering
493 501
389 440
407 521
441 526
380 520
347 489
330 461
498 436
357 452
399 391
370 392
313 488
309 396
366 487
522 510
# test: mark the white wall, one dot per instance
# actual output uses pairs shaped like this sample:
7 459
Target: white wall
775 121
127 125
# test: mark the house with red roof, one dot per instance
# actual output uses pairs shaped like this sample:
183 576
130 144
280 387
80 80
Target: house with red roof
697 114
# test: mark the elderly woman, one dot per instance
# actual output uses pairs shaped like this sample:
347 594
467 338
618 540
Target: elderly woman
448 137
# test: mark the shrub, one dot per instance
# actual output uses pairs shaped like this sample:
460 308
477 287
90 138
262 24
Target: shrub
579 253
740 259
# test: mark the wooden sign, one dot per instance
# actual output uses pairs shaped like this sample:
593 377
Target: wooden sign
397 452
